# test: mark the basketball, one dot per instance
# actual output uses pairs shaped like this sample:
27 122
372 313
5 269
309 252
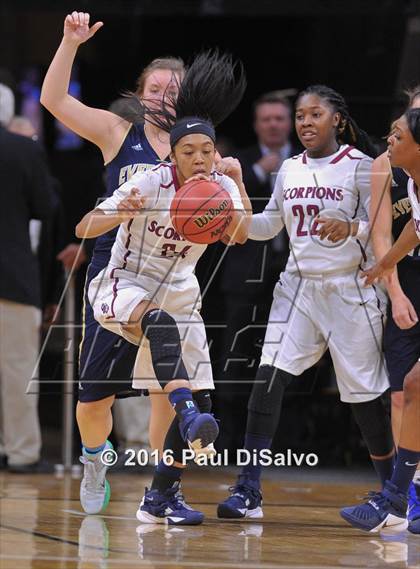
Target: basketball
201 211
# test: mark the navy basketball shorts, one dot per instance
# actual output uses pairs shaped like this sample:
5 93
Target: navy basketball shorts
402 347
106 360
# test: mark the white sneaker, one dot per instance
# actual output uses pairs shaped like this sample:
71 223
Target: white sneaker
95 490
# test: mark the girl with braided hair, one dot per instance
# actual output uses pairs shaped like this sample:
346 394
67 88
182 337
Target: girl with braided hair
319 301
148 293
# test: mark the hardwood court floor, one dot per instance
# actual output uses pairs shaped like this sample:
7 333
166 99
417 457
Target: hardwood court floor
42 527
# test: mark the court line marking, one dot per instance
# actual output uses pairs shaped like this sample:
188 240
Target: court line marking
126 501
83 514
60 539
168 563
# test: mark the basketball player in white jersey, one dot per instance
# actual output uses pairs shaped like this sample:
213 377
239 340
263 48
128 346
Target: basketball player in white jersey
389 507
148 293
319 302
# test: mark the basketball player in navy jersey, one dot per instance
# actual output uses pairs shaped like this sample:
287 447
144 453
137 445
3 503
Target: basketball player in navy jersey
390 211
318 301
106 360
389 507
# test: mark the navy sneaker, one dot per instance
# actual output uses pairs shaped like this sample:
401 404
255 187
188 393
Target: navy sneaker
167 507
245 500
200 433
386 509
414 508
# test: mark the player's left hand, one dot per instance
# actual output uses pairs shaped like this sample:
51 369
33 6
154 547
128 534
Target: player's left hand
334 230
230 167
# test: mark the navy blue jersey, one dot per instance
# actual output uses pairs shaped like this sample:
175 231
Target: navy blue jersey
135 155
401 210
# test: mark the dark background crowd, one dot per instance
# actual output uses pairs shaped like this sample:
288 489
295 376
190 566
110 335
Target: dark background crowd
366 50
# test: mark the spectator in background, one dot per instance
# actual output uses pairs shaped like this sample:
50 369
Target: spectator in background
25 194
250 271
46 236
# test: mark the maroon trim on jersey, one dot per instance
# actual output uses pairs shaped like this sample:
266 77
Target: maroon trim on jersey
174 182
165 164
345 152
116 279
175 177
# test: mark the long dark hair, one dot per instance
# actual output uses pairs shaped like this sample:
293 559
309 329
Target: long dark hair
412 117
348 132
212 88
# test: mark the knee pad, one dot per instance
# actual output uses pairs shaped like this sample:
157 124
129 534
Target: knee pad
268 389
264 405
203 400
165 345
375 425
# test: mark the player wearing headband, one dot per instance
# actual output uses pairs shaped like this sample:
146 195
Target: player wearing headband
148 293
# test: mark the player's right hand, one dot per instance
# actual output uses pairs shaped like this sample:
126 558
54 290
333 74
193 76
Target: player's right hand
76 27
375 273
130 206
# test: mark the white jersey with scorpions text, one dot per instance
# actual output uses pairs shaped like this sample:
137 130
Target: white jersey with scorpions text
148 244
336 186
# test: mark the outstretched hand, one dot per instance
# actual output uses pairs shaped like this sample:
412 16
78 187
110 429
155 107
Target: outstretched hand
76 27
376 273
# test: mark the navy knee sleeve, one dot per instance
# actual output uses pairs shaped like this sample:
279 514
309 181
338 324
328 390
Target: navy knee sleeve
375 425
165 346
266 399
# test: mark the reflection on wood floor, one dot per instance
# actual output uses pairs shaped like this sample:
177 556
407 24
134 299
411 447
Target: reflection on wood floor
42 527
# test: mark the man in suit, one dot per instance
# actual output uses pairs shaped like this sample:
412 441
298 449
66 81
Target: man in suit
25 194
250 271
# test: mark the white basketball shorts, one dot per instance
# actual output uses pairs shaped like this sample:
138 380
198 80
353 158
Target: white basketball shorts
114 295
309 315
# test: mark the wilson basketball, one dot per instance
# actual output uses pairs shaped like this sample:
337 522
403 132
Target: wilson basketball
201 211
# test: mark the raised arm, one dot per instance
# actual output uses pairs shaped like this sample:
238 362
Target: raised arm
380 215
101 127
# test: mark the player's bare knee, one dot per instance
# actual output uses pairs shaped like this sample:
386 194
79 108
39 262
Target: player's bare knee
94 410
134 325
412 385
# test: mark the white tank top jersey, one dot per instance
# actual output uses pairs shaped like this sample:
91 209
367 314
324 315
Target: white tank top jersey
148 243
412 191
337 186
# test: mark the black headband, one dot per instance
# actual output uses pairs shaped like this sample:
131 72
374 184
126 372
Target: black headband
191 125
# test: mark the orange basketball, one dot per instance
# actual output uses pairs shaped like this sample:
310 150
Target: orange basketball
201 211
